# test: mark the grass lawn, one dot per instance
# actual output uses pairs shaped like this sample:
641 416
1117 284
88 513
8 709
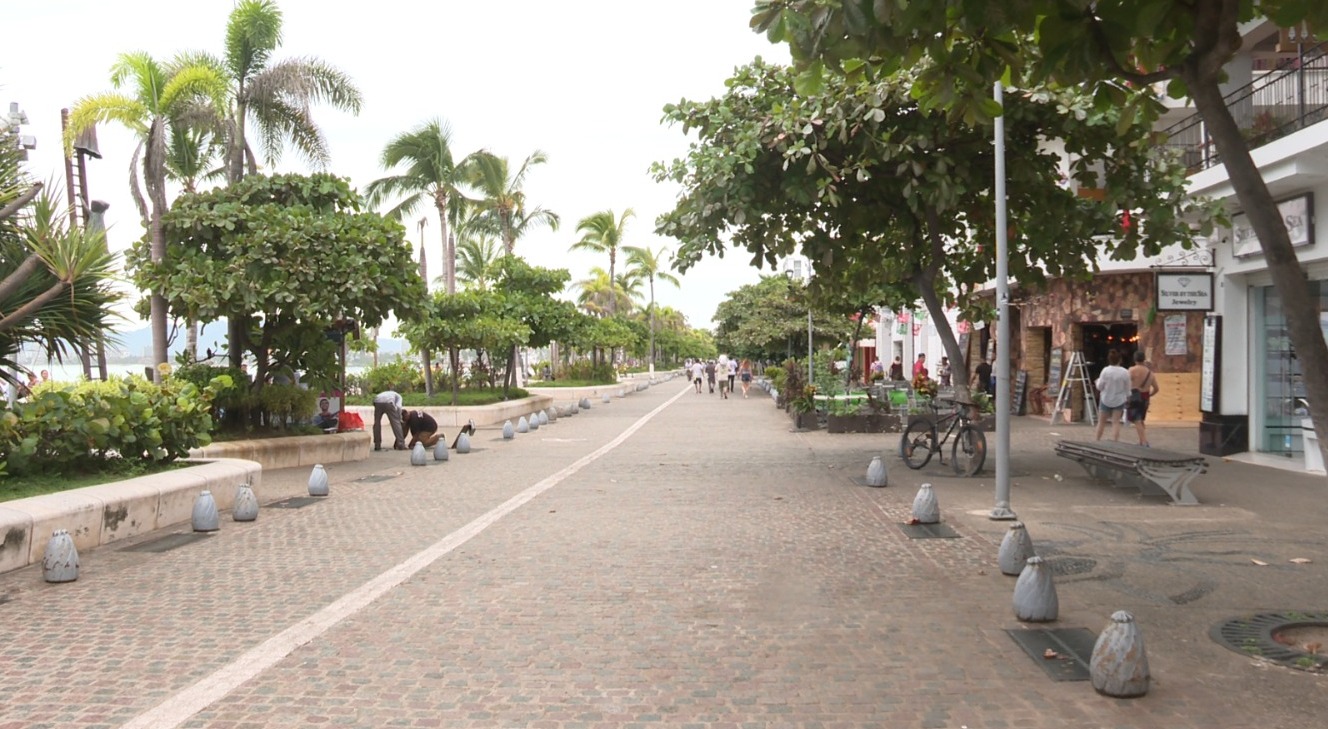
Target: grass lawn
22 487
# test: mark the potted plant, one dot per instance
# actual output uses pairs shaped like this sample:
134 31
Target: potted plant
803 409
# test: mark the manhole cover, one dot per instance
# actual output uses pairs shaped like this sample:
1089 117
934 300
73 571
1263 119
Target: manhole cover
297 502
1071 650
168 542
929 531
1066 566
1257 636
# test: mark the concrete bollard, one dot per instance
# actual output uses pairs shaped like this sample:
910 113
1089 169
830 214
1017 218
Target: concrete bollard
1035 593
1119 666
463 443
246 504
584 404
545 418
606 398
522 425
440 450
925 508
876 475
572 409
417 455
508 431
318 481
60 564
623 393
205 517
1016 548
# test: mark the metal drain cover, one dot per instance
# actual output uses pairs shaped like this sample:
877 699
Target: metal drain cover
1066 566
297 502
168 542
1072 650
929 531
1252 635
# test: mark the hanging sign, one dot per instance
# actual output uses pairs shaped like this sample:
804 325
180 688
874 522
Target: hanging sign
1184 291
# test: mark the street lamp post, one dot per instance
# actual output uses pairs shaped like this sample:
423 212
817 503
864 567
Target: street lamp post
793 270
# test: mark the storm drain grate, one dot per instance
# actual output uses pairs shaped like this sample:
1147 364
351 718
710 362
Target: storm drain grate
1071 649
297 502
1066 566
1256 636
168 542
929 531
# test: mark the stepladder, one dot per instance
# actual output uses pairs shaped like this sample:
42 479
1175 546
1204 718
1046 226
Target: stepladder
1076 373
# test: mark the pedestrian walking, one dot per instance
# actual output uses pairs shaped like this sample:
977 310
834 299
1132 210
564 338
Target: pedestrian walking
733 373
1143 386
897 369
388 402
745 374
943 371
1113 388
710 375
724 374
698 372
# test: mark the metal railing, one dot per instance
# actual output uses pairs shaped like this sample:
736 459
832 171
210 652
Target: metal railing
1278 103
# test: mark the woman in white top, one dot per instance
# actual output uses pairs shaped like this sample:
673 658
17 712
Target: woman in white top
1113 389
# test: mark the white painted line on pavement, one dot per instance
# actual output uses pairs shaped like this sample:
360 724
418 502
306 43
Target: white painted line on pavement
177 709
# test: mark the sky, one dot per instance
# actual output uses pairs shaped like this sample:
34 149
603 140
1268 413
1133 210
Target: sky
583 80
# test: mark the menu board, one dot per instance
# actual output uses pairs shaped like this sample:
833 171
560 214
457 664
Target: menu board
1210 368
1020 393
1054 375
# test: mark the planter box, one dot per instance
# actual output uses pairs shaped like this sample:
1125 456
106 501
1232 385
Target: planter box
806 421
872 423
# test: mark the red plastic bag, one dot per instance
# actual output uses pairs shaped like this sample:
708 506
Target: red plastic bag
349 421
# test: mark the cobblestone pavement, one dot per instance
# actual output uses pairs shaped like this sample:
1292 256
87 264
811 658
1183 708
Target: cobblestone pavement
711 570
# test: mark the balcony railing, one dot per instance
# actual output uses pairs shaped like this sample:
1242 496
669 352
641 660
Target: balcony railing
1282 101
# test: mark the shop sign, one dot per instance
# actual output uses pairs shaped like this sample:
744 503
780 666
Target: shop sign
1184 291
1298 215
1210 369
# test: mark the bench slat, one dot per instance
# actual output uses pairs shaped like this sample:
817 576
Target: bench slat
1151 470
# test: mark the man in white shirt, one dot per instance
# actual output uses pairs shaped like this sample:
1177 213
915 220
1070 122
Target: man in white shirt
388 402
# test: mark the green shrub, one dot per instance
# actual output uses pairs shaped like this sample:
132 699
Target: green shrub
399 374
602 374
76 428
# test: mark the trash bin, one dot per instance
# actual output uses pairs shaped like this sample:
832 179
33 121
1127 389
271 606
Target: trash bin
1310 441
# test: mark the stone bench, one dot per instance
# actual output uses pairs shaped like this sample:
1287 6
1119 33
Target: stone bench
1153 471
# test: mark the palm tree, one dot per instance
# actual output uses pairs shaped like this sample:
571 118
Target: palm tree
431 174
158 99
599 297
275 95
650 265
503 201
602 233
477 260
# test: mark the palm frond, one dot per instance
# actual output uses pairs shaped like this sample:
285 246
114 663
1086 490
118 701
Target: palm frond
253 32
106 107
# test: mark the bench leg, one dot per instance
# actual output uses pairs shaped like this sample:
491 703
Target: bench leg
1175 482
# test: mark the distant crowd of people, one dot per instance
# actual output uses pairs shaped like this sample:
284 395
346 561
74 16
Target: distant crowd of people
722 371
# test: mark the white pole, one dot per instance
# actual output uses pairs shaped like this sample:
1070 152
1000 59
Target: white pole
1001 511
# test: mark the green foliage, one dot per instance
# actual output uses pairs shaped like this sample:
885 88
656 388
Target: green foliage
400 375
74 427
231 397
586 371
776 377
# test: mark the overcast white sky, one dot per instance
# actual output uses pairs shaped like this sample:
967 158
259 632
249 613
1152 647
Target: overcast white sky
583 80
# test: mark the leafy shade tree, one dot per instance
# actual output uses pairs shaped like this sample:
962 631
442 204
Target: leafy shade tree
158 99
649 264
275 95
602 232
1185 45
503 205
763 320
431 175
287 258
54 278
874 189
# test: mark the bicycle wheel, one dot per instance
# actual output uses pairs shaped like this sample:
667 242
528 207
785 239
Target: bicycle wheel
969 452
917 444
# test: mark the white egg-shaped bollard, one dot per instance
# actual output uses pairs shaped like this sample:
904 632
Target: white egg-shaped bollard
418 456
60 563
623 393
205 517
876 475
535 421
606 398
573 409
584 404
463 443
1015 550
318 481
1119 666
508 431
925 508
545 418
440 450
246 504
522 425
1035 593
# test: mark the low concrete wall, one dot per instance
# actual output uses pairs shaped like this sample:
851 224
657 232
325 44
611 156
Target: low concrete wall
596 393
97 515
450 418
293 452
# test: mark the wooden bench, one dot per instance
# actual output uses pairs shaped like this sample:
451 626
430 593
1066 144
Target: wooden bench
1153 471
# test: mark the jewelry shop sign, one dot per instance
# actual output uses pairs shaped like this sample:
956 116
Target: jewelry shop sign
1184 291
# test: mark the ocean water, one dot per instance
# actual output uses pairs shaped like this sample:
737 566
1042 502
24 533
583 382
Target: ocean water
72 371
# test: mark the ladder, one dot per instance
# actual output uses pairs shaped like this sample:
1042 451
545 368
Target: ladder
1076 373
